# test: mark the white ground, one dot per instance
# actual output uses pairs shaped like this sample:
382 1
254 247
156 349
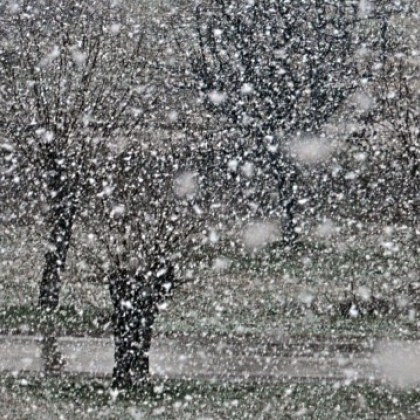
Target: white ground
175 358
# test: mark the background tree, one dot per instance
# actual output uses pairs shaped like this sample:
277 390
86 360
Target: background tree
274 71
382 152
392 120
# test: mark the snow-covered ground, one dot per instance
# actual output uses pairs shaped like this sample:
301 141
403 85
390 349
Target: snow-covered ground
227 361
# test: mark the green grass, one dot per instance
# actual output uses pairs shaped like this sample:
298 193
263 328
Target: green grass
73 397
261 293
246 300
231 322
67 320
311 327
332 261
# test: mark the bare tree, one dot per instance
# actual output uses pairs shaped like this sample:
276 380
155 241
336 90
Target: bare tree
74 81
386 114
147 211
274 70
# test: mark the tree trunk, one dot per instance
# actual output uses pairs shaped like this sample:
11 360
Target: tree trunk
289 233
132 346
55 257
135 299
134 315
51 357
282 170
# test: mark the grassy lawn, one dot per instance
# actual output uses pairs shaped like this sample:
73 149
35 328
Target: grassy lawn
270 290
72 397
268 294
67 320
98 322
254 300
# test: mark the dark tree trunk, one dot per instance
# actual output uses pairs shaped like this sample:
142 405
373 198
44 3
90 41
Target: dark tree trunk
284 173
135 301
133 337
289 233
51 357
55 257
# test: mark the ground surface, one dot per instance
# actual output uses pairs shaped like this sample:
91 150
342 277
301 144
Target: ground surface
220 360
261 340
73 398
287 379
225 360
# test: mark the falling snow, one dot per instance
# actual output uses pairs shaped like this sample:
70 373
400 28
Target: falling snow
209 210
